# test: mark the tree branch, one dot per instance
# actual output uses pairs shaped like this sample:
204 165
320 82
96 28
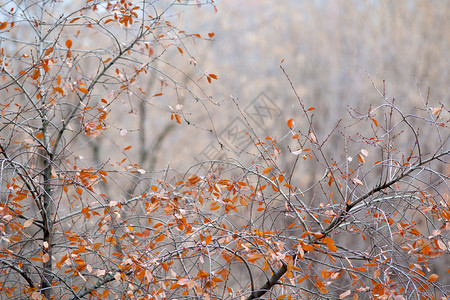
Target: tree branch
340 218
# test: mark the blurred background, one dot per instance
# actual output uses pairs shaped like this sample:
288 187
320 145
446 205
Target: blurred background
341 57
334 53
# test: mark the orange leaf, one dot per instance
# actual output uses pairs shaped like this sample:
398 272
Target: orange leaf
45 258
20 197
79 190
35 74
317 235
39 135
208 239
267 170
345 294
332 247
68 43
436 110
160 237
361 158
178 118
290 123
3 25
262 187
181 50
414 231
211 34
213 76
83 90
127 148
307 247
59 90
254 257
28 223
36 258
433 278
48 51
165 266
